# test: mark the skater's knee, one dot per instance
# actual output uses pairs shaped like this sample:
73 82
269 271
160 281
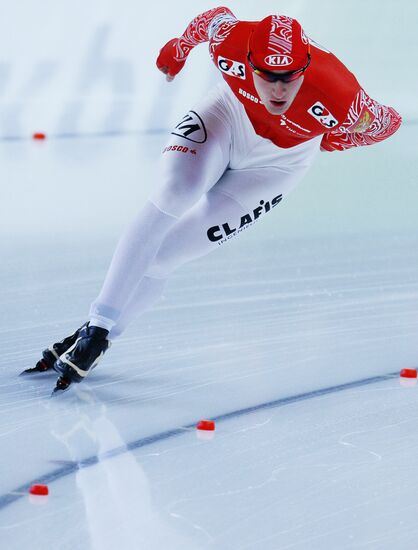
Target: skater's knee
165 262
178 194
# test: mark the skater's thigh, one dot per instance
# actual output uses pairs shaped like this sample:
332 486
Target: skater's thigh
195 157
253 187
239 200
194 234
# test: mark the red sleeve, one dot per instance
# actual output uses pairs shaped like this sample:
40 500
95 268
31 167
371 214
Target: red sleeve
202 29
366 123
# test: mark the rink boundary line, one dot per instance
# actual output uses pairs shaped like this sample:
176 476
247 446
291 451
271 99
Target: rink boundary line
70 467
89 135
122 133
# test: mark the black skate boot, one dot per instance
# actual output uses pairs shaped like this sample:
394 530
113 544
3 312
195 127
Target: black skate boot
81 357
51 354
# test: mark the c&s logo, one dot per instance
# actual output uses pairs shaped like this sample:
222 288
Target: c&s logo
323 115
231 67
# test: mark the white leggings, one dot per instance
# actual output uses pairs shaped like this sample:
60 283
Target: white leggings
217 178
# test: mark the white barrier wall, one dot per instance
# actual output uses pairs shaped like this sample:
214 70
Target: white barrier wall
80 67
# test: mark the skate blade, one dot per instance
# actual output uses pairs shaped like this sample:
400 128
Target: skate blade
35 370
61 387
27 372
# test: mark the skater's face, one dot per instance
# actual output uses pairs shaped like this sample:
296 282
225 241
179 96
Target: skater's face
277 96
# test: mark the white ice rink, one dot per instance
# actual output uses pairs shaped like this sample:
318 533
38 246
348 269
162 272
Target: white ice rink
291 337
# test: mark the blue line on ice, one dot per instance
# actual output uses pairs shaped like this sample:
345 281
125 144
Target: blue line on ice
71 467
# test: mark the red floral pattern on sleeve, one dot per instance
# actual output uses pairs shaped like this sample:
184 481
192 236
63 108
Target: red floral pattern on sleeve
367 122
204 27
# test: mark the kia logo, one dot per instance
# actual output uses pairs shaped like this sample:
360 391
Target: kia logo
278 60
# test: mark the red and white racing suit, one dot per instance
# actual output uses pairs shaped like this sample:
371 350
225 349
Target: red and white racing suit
229 161
344 115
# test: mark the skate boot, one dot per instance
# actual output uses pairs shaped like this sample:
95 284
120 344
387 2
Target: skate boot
81 357
51 354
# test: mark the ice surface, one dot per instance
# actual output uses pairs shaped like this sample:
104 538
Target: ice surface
288 336
321 294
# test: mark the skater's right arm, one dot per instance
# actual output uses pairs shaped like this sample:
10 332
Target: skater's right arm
173 55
